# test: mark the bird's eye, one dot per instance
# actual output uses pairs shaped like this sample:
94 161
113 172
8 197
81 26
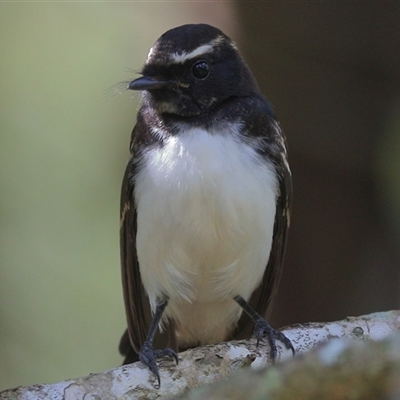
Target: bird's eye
200 70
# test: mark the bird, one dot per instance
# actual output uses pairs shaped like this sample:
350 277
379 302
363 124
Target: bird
205 201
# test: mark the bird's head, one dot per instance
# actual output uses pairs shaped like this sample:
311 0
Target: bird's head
191 69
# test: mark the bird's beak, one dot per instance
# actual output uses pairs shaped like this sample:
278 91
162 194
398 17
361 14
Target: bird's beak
147 83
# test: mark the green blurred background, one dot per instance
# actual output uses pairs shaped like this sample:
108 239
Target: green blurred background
332 72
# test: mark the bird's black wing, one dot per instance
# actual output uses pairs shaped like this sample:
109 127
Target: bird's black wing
275 151
137 306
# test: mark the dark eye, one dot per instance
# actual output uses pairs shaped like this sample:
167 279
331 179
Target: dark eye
200 70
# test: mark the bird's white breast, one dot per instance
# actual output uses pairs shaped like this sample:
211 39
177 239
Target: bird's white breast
205 214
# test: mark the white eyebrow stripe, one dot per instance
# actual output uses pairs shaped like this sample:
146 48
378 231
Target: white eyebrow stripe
184 56
150 53
203 49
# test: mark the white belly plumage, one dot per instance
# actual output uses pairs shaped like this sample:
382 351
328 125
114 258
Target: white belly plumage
205 215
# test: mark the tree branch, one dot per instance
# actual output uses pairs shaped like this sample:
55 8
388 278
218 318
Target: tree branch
208 364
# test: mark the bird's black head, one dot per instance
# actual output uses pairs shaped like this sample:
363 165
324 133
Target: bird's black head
191 69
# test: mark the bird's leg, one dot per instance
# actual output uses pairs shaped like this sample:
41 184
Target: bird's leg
147 354
263 328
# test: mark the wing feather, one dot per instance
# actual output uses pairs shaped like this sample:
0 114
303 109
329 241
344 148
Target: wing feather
137 306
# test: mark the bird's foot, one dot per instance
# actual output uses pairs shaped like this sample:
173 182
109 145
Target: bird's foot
264 329
148 356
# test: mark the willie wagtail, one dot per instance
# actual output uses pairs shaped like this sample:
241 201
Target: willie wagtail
205 203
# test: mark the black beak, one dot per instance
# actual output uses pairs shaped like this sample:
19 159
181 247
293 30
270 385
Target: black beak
146 83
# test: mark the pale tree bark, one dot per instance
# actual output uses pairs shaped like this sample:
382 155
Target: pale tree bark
344 367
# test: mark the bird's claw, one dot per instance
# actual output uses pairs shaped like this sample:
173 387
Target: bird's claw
148 356
264 329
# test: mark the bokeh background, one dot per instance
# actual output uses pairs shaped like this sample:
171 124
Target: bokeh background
332 71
